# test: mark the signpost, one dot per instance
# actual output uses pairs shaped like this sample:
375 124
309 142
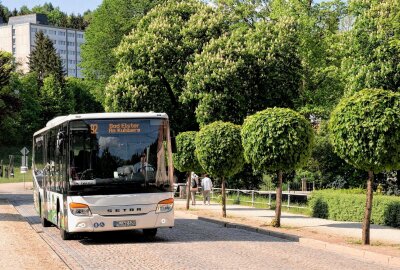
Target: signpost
24 162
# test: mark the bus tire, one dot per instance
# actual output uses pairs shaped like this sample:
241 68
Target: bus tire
63 233
151 233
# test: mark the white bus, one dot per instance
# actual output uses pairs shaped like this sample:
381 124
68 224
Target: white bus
104 172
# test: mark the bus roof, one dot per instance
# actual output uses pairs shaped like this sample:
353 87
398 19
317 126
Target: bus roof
115 115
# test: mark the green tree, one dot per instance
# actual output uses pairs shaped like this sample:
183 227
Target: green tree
9 99
55 99
185 159
4 13
374 46
153 59
244 72
110 22
44 60
7 66
54 15
29 117
220 153
84 101
365 132
320 48
278 140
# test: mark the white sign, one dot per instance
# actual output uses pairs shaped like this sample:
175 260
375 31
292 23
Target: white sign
24 151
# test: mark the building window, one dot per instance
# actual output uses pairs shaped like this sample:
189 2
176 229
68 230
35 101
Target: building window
13 50
13 32
71 35
79 35
43 30
52 32
61 42
71 43
34 30
61 33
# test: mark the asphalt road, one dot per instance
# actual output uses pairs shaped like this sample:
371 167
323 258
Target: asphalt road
191 244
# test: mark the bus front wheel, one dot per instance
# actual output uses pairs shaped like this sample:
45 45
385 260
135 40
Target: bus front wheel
150 232
63 233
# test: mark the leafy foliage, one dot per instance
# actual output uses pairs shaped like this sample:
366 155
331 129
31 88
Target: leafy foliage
245 72
55 99
109 23
85 102
365 130
373 51
277 139
9 101
7 66
153 59
320 48
219 149
185 159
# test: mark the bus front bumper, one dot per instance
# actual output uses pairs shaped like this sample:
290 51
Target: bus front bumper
98 223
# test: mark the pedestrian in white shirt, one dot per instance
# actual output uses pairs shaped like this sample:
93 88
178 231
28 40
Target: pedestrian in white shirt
193 188
207 186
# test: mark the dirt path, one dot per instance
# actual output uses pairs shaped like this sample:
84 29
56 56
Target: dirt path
20 246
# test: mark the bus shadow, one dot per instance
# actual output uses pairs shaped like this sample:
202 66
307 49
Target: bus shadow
185 231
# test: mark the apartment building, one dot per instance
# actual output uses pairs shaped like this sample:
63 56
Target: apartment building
18 38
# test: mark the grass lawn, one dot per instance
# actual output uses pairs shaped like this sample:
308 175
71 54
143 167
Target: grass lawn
18 177
5 151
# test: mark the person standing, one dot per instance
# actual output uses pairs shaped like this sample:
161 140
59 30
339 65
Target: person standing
193 188
206 184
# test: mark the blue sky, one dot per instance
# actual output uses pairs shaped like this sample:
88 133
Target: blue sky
68 6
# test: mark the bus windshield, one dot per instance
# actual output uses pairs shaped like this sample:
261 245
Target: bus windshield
118 156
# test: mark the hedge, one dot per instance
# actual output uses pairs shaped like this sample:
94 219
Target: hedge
344 206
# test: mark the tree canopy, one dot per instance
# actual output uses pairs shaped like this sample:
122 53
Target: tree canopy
153 59
185 159
246 71
109 23
365 130
219 149
277 139
373 49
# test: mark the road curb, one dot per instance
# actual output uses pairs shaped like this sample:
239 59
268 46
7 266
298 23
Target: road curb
363 254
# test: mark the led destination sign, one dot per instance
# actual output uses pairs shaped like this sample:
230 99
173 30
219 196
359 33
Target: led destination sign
123 128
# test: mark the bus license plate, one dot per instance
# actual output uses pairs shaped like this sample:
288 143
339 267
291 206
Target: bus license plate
125 223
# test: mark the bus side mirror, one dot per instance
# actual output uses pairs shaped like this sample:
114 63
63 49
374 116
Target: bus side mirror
173 145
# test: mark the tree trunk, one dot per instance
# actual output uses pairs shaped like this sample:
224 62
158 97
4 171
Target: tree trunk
368 210
278 208
188 193
223 198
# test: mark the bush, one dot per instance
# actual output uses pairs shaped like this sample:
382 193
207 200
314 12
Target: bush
349 206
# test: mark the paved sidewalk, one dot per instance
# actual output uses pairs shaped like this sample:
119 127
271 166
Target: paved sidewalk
342 228
20 246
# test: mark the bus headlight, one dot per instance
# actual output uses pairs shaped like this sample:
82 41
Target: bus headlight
79 209
165 205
